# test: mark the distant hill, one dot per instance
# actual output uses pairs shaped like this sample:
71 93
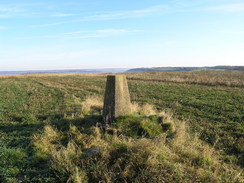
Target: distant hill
173 69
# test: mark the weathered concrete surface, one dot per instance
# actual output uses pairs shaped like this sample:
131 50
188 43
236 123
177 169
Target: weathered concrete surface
117 98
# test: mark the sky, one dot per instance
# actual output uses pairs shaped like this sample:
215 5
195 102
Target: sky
82 34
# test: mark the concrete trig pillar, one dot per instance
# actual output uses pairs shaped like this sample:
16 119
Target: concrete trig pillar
117 98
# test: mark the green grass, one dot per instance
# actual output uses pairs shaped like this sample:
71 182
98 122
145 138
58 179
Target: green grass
27 104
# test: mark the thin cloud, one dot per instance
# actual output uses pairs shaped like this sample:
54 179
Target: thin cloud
230 32
228 7
2 28
4 16
12 10
110 16
124 14
93 34
116 31
181 6
49 25
8 11
63 15
76 32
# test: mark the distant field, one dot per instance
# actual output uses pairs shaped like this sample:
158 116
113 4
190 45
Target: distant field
212 103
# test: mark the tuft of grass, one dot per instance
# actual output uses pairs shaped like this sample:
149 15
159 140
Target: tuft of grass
45 142
144 109
92 104
138 126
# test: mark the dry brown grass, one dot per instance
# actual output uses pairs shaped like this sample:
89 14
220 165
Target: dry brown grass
143 109
92 104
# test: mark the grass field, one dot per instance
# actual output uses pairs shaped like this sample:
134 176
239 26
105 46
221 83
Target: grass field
33 107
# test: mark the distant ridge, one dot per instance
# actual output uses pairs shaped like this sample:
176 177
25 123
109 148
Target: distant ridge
174 69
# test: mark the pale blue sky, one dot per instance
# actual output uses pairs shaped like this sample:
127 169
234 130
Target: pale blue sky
78 34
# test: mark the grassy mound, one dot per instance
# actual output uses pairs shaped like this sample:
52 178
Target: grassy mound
137 148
